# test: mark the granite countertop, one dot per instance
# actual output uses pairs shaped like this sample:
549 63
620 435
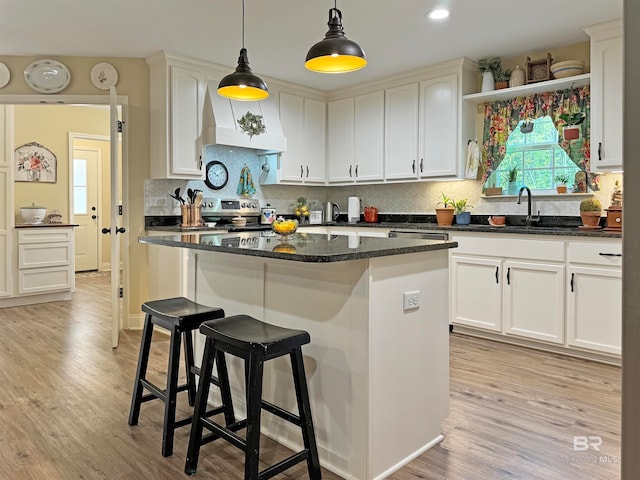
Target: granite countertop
300 247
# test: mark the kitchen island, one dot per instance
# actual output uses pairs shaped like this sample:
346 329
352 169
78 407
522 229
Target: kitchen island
377 369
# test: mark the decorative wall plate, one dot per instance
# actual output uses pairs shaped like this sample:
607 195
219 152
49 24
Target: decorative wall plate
104 75
5 75
47 76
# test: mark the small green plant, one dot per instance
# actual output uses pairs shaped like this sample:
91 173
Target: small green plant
489 64
590 205
502 74
461 206
447 202
513 174
573 118
562 178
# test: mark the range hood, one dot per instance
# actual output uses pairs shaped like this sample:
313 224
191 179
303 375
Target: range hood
220 123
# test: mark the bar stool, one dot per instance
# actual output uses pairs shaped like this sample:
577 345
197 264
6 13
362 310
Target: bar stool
255 342
180 316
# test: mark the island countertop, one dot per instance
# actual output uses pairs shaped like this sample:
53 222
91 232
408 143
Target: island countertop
300 247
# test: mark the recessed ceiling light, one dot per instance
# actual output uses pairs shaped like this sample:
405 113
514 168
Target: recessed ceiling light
438 14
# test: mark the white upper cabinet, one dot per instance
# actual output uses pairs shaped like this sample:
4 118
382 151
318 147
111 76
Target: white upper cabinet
606 95
401 132
304 125
439 156
356 138
176 99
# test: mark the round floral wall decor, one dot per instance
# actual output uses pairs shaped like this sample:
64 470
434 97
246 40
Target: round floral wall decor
35 163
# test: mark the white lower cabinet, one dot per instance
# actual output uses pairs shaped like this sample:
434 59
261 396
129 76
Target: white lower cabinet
476 292
563 294
45 260
594 296
533 304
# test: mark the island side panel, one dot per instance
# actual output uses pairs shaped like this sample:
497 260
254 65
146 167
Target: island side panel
330 301
409 358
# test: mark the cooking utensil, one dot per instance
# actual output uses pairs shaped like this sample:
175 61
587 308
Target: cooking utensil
178 197
190 196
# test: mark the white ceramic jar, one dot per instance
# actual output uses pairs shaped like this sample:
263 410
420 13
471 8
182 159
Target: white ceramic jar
33 214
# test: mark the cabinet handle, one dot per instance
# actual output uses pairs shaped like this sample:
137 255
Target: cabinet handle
413 167
572 275
599 151
497 278
301 171
356 171
350 167
509 276
307 171
610 254
421 161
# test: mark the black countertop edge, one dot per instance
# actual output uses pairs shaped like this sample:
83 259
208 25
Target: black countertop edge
388 247
46 225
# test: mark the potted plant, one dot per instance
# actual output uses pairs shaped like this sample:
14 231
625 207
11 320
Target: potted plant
590 210
501 76
444 214
463 216
571 128
561 182
513 186
487 68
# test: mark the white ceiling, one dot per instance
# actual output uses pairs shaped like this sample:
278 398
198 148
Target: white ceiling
394 33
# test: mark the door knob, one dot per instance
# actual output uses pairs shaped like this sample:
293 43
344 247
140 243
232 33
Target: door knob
120 230
93 217
106 230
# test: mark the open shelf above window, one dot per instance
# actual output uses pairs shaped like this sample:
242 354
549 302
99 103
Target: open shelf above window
548 86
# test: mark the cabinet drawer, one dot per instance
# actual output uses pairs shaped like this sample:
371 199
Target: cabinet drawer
596 253
531 249
45 235
39 280
47 255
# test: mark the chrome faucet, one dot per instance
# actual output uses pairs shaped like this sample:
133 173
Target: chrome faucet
529 218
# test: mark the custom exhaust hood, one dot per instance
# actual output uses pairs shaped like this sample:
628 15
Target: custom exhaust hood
241 124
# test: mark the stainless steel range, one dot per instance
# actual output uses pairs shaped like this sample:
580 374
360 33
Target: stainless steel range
222 210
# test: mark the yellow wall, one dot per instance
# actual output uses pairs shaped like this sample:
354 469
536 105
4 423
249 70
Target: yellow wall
133 82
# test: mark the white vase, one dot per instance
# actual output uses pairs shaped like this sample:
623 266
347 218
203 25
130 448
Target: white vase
488 83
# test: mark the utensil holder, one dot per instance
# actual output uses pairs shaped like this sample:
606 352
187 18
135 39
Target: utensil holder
191 215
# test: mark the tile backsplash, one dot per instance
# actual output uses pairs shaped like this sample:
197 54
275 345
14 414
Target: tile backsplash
410 197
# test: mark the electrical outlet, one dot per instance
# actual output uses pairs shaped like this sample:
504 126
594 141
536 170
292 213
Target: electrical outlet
411 300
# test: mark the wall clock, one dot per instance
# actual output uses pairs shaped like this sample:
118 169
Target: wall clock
217 175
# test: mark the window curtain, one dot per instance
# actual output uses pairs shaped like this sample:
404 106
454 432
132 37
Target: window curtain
501 117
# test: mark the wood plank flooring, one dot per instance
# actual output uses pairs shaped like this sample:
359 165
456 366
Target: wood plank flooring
64 403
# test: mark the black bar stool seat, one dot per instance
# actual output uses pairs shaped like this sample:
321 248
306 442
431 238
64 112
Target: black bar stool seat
255 342
179 316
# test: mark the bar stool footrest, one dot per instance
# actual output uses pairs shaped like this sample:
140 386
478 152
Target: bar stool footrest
283 465
281 412
228 433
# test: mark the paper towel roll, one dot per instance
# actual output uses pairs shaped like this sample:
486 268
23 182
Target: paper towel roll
353 210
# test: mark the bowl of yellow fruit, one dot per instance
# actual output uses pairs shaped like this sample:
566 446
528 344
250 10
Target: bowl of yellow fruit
284 226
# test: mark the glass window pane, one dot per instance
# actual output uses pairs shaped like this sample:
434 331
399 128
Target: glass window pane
80 201
79 172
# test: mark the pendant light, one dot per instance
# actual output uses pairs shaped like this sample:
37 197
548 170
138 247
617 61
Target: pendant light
243 84
336 53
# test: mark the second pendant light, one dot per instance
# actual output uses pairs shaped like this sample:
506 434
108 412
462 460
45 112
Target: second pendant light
243 84
336 53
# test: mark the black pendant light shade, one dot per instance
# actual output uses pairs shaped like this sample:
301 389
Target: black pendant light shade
336 53
243 84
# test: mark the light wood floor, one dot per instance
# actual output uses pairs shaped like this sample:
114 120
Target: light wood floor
64 402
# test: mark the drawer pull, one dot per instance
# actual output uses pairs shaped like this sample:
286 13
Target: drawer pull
599 151
610 254
509 276
497 281
572 275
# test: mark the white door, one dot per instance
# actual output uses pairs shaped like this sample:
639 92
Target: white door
86 165
116 230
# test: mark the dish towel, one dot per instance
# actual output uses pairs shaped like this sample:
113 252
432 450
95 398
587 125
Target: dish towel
473 160
245 184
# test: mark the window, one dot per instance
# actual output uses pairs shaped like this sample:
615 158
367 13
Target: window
80 187
537 157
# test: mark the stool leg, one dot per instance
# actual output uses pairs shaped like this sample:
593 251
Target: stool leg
304 411
141 371
188 359
195 438
254 366
225 389
171 393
